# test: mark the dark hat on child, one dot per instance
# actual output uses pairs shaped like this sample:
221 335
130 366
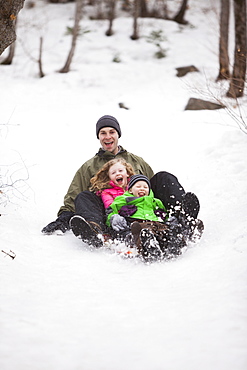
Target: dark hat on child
136 178
107 121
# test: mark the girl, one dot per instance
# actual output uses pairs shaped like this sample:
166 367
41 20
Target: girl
112 180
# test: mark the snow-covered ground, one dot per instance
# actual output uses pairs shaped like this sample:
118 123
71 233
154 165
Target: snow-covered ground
63 306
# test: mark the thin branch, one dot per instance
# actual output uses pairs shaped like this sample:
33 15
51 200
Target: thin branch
11 254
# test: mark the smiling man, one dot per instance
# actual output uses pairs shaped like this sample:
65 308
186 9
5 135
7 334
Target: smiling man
80 201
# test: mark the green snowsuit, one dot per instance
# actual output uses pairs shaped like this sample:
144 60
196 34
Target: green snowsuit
145 206
81 180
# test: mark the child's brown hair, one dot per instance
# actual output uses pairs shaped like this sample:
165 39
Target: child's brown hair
101 180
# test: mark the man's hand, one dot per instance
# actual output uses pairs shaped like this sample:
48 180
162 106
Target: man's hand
61 223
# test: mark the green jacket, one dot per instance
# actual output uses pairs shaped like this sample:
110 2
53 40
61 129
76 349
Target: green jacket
81 180
145 206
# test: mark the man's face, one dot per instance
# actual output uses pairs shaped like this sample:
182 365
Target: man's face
108 138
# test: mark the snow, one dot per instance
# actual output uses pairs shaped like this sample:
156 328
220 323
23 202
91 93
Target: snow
64 306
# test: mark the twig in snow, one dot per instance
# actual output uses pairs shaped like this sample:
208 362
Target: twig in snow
11 254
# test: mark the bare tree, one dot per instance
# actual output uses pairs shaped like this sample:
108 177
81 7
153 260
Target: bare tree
41 73
136 14
8 14
179 17
111 16
224 72
143 9
13 181
9 59
78 14
239 69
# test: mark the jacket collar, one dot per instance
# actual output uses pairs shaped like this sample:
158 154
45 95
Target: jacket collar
130 197
107 154
113 185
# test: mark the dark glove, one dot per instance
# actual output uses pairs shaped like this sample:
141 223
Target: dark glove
118 222
161 213
61 223
127 211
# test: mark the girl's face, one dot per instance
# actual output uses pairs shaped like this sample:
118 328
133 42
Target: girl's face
140 189
118 174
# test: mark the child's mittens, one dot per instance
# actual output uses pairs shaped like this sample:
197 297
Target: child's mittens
118 222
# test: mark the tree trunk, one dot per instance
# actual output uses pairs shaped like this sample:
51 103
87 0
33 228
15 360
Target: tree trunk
41 73
179 17
78 13
135 35
8 14
224 72
9 59
143 9
111 16
236 89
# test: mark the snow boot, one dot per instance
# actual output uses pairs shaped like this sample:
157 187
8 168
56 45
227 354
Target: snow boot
89 231
135 231
196 231
190 205
186 214
175 240
150 249
192 229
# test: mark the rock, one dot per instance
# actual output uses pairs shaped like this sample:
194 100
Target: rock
182 71
199 104
121 105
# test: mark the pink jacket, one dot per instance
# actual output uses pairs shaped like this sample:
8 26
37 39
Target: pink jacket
108 195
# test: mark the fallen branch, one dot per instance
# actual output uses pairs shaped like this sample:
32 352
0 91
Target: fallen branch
11 254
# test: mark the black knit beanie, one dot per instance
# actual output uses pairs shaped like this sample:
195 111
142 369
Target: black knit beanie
107 121
136 178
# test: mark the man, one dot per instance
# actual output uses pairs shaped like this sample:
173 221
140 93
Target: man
80 201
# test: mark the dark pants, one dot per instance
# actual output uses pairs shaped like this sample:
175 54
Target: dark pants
167 188
90 206
164 185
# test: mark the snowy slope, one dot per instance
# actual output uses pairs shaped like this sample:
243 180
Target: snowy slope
64 306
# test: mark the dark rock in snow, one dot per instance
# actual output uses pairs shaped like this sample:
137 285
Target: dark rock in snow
182 71
121 105
199 104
